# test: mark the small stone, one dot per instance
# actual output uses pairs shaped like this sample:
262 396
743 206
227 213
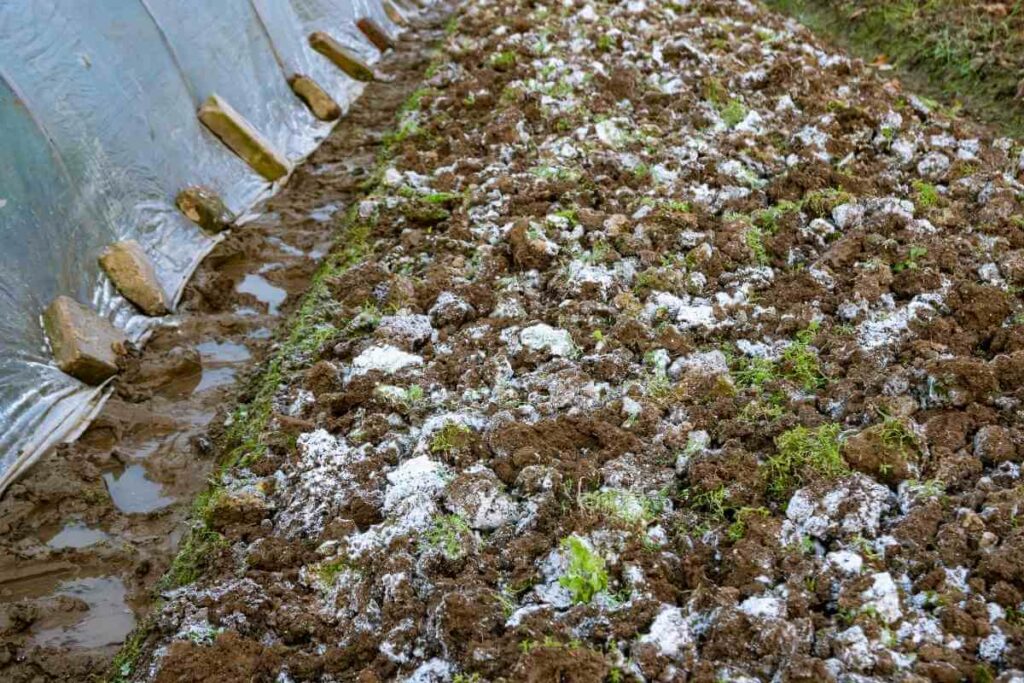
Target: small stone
450 310
204 208
341 57
933 165
387 359
131 271
375 34
543 337
408 332
84 345
314 97
242 138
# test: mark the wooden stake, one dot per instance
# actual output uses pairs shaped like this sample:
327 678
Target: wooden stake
341 57
243 139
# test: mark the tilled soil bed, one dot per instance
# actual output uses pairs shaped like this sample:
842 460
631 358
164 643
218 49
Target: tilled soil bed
667 345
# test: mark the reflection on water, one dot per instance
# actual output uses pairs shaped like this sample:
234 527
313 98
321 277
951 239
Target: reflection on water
77 535
264 292
106 622
133 492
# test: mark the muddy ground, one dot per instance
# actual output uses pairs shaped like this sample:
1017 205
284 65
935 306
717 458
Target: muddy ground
668 344
86 536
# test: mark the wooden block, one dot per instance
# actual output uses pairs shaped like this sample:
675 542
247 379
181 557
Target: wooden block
204 208
131 271
375 34
243 139
318 101
342 58
394 14
84 345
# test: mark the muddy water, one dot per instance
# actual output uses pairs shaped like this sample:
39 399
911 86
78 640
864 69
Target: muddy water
85 536
91 528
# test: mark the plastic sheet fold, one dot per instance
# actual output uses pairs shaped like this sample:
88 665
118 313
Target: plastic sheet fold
98 133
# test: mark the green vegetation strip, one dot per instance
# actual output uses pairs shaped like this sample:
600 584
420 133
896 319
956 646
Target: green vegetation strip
245 440
950 49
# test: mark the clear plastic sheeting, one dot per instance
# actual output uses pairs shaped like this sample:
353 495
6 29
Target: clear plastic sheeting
98 134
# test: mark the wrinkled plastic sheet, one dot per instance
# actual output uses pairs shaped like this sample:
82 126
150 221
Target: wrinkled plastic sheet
98 133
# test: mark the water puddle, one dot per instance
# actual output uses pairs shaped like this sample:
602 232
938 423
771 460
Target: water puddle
223 352
106 621
265 293
215 377
77 535
218 361
133 492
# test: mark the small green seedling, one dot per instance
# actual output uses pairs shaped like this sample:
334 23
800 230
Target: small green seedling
914 254
586 575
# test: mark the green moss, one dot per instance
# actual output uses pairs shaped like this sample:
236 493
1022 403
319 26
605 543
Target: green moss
502 61
733 113
626 506
800 454
738 529
897 437
712 502
768 219
755 372
800 362
914 254
755 243
821 202
446 534
124 662
450 438
764 410
925 194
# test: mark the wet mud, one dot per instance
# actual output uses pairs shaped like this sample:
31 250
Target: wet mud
87 534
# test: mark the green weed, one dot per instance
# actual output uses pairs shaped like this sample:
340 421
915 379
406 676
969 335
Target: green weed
627 506
586 575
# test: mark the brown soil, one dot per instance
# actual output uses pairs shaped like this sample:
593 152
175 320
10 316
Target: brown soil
720 382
